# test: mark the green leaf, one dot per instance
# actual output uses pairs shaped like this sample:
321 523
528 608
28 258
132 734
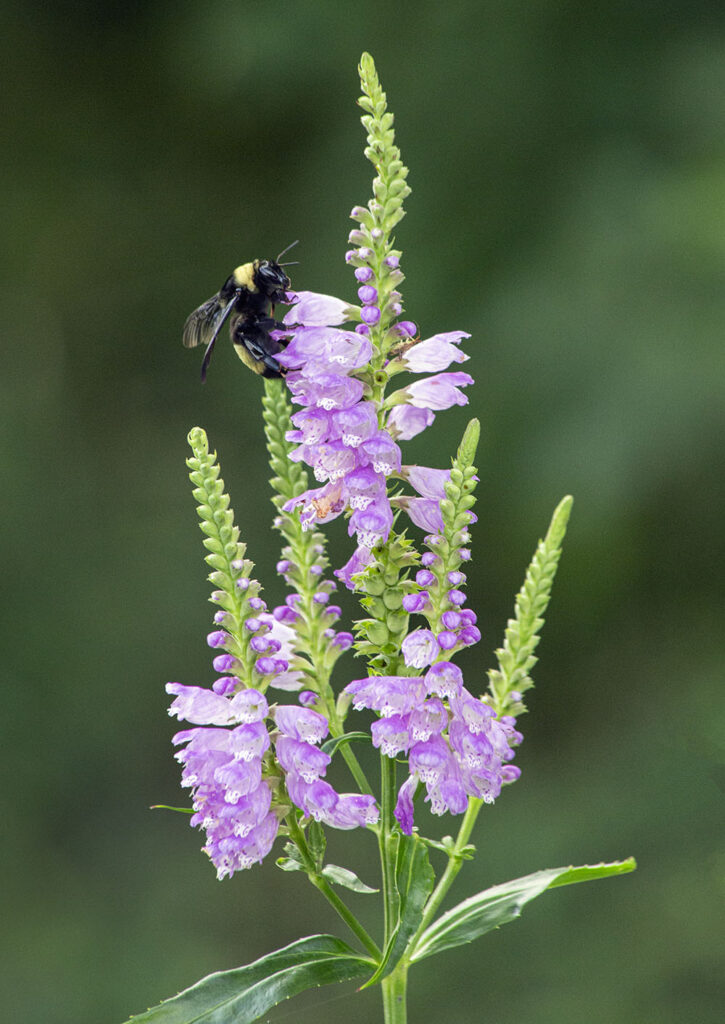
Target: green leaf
242 995
331 746
503 903
342 876
414 880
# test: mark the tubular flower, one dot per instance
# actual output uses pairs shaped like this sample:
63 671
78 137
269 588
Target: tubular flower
300 730
337 429
222 764
456 746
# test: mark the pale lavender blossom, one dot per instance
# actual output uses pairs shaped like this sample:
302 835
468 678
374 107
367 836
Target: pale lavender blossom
436 353
406 421
439 392
312 308
419 648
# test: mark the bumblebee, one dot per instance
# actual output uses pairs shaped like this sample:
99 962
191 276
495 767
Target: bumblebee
247 299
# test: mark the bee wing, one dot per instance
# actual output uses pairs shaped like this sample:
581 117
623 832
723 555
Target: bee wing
202 324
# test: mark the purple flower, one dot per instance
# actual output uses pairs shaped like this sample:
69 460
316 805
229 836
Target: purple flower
312 308
424 512
404 807
447 640
389 695
419 648
223 768
308 761
360 559
436 353
444 679
430 483
370 314
439 392
416 602
391 734
353 810
367 294
406 421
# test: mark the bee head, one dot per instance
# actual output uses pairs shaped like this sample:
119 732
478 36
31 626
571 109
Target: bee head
271 280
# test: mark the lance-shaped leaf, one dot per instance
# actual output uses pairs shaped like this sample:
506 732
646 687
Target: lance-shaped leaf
414 879
242 995
343 876
503 903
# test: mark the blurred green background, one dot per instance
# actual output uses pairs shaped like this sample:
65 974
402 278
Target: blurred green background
568 171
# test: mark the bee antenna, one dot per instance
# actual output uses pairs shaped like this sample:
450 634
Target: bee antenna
294 263
290 246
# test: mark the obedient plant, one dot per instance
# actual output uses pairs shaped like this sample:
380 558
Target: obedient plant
255 750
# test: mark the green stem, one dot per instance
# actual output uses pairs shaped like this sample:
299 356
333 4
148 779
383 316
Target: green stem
455 864
387 844
394 995
326 889
337 729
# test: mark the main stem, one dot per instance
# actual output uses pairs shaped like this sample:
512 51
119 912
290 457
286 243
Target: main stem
394 995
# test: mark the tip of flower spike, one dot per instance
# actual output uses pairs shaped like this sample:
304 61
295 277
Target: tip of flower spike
198 441
559 521
469 443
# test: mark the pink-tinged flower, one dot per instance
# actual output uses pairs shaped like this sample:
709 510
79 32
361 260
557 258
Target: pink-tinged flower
430 483
313 309
440 391
308 345
406 421
319 505
436 353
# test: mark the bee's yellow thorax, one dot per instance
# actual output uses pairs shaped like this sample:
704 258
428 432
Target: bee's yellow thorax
244 276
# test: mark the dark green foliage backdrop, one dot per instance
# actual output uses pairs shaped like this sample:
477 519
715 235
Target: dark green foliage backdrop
568 172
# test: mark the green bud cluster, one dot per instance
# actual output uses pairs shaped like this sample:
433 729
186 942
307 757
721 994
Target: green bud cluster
516 658
390 188
384 210
226 553
305 549
383 585
455 511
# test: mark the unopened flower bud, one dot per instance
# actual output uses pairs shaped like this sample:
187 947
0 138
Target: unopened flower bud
367 294
370 314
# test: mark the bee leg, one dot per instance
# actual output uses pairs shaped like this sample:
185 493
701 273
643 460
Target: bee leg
271 367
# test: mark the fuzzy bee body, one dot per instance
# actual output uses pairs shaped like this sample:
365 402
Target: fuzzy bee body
247 299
